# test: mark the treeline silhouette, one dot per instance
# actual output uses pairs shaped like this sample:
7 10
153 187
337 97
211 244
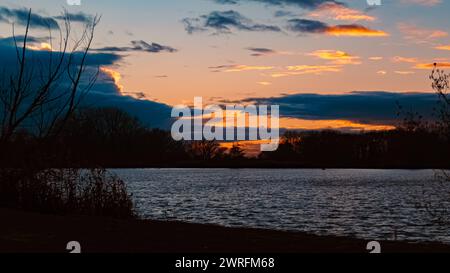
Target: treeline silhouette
111 138
387 149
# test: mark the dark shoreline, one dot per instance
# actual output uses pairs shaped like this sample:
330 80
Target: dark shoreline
255 165
25 232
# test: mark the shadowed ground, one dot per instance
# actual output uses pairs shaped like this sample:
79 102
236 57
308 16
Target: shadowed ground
30 232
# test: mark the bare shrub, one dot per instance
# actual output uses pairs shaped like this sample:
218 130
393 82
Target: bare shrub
66 191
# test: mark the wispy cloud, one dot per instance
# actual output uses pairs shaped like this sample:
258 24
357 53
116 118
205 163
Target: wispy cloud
404 72
139 45
443 47
399 59
225 22
429 3
296 70
79 17
336 56
20 17
339 12
419 34
239 68
429 66
306 4
261 51
284 13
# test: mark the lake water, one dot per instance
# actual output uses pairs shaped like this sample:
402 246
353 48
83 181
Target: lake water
368 204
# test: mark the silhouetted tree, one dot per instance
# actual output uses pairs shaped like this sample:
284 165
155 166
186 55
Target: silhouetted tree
205 150
437 201
236 152
36 102
34 94
440 83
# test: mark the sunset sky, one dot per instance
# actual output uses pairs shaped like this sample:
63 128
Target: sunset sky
329 64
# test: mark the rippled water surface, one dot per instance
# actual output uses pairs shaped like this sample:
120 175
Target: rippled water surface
370 204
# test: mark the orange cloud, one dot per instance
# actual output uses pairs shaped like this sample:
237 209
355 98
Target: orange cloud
304 124
354 31
444 47
336 56
376 58
431 65
280 75
340 12
240 68
404 72
115 76
399 59
307 69
332 68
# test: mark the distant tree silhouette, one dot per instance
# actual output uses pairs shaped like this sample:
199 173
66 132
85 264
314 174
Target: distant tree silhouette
236 152
411 122
205 150
293 139
111 137
385 149
105 123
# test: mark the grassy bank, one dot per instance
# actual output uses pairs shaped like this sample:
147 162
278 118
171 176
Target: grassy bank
32 232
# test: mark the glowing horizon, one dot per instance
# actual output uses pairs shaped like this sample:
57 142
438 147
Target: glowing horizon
234 52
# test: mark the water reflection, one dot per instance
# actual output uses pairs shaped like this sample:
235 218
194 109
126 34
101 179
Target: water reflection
370 204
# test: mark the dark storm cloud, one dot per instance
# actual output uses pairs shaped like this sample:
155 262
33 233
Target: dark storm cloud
139 46
150 113
8 56
19 39
225 22
20 17
306 4
366 107
104 93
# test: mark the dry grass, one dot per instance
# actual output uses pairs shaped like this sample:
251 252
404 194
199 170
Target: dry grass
66 191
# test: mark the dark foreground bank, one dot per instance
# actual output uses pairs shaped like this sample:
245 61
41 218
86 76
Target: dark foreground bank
31 232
